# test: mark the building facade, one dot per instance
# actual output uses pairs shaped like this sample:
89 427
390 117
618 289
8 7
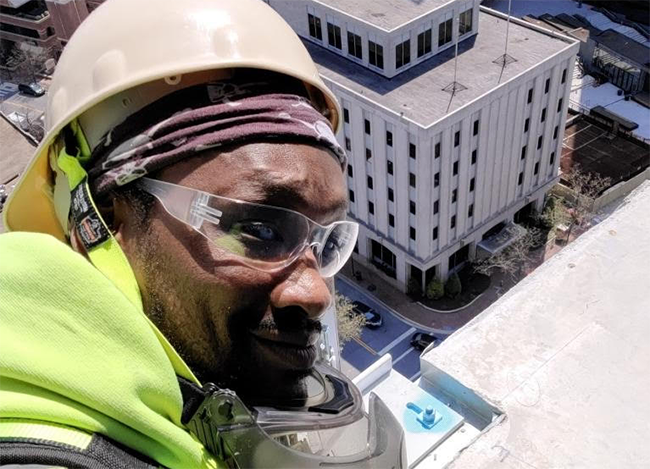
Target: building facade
446 150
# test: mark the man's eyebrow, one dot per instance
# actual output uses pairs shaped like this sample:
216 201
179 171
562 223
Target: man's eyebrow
287 196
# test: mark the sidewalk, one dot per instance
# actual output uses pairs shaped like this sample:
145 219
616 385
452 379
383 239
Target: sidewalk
414 312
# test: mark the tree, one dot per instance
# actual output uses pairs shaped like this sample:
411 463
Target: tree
514 258
31 63
586 186
453 287
554 213
349 323
435 289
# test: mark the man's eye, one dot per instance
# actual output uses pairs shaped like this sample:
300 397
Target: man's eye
260 231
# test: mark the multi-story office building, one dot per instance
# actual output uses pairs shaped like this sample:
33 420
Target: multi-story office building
26 24
444 152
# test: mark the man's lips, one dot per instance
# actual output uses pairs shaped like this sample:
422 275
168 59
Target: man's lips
286 350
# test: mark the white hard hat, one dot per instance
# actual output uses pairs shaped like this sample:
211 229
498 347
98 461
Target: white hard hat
129 53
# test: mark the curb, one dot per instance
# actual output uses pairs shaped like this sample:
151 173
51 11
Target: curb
413 323
451 311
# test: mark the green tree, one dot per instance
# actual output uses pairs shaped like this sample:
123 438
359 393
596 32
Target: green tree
453 287
349 323
435 289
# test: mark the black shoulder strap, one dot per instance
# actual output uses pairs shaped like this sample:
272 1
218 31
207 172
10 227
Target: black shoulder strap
101 453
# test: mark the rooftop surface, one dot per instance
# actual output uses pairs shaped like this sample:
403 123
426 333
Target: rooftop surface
564 354
418 92
385 14
590 145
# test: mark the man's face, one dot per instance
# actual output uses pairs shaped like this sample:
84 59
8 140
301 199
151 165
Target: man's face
242 328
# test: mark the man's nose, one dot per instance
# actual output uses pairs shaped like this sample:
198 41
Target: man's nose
304 287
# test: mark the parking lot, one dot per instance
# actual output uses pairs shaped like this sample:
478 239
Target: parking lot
393 336
11 101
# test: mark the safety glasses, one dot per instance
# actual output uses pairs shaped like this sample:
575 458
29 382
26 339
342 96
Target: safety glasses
261 236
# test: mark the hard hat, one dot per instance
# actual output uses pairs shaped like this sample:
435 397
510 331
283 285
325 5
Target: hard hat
127 54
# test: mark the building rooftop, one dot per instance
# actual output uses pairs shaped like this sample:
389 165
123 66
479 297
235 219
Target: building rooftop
564 354
418 92
386 14
624 46
590 144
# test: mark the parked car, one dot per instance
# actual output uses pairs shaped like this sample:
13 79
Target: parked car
31 89
373 318
422 340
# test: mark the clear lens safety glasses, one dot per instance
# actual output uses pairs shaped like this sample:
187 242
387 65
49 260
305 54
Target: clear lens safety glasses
262 236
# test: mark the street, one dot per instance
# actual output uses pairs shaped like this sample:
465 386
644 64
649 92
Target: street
393 337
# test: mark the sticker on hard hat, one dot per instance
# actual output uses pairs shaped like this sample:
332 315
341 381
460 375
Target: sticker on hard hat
89 225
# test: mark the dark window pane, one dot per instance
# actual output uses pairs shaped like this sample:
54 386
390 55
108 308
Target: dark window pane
530 96
437 150
454 195
369 182
563 75
334 35
555 131
348 144
351 195
350 171
540 140
412 150
391 195
375 54
412 179
346 115
412 207
543 115
523 152
470 210
457 138
371 208
389 138
536 168
559 105
412 233
368 153
526 124
436 180
453 221
520 180
472 183
436 207
474 156
547 85
552 158
391 220
475 131
366 124
389 167
435 233
455 170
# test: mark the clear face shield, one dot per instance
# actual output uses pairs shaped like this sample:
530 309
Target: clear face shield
326 428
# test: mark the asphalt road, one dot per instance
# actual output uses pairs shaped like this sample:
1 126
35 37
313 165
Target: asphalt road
393 337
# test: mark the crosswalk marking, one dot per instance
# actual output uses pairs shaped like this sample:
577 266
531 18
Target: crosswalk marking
396 341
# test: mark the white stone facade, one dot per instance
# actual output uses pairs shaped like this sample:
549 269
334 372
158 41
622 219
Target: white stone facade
461 171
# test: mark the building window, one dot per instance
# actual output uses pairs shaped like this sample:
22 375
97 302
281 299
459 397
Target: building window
540 140
436 207
526 124
348 144
444 32
435 233
452 225
530 96
436 151
368 154
389 166
354 45
475 130
370 182
412 150
563 75
523 152
389 138
547 85
371 208
455 168
391 195
520 180
470 211
457 138
552 159
350 171
424 43
346 115
454 195
474 156
376 54
351 193
412 179
315 30
536 168
559 105
555 131
436 180
391 220
366 124
412 207
472 183
334 35
412 233
465 22
543 115
403 53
